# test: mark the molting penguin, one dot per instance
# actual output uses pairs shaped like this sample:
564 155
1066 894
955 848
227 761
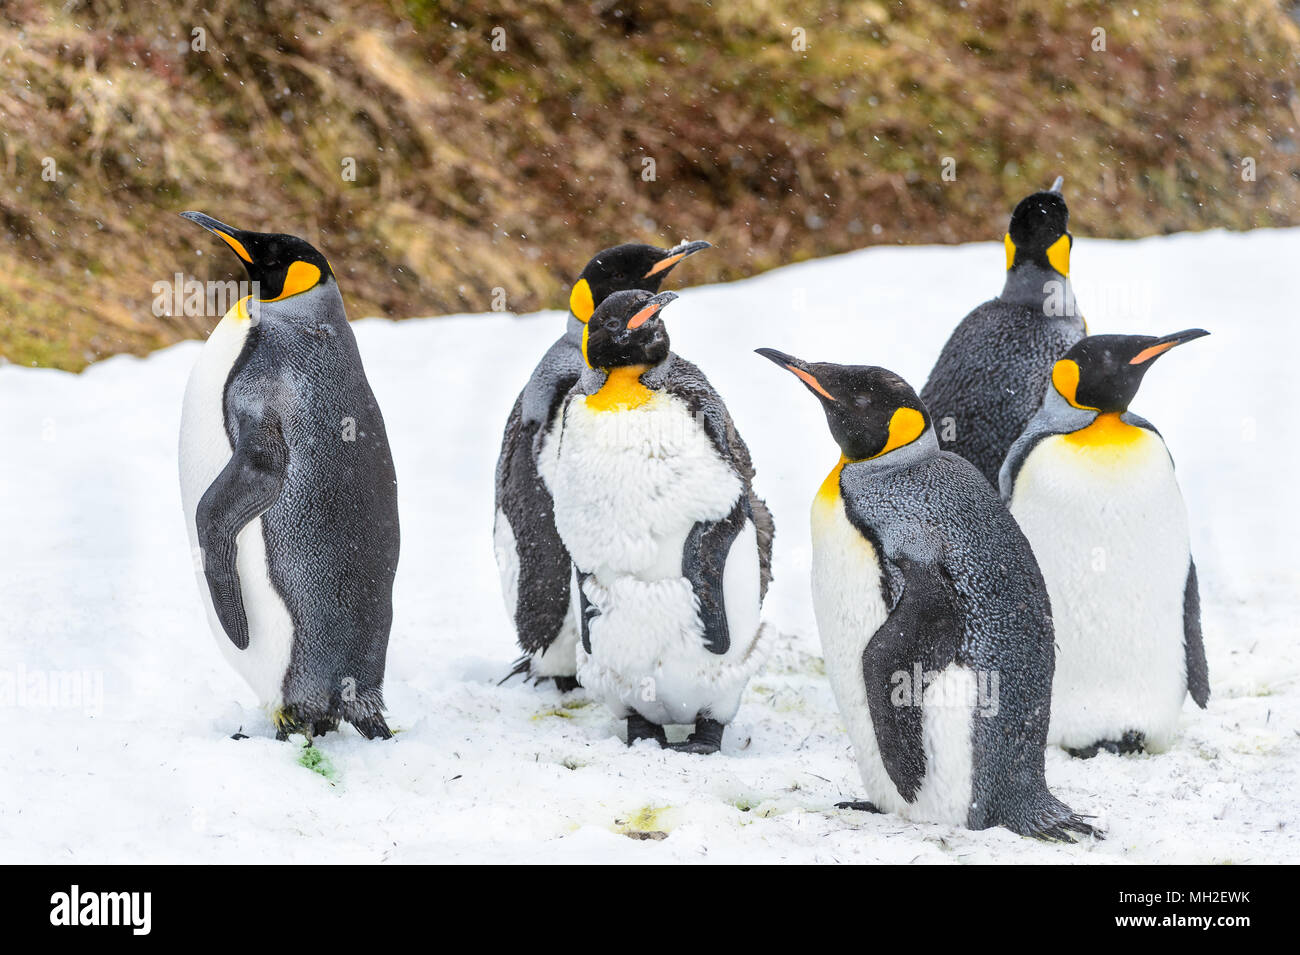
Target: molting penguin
654 501
290 494
1093 488
990 376
535 568
934 621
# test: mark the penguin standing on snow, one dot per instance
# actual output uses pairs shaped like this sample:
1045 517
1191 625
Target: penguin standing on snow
1093 488
654 501
991 374
290 494
934 621
535 568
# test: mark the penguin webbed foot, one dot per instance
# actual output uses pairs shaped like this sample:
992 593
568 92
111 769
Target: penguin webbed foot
566 684
860 805
706 739
638 727
1128 744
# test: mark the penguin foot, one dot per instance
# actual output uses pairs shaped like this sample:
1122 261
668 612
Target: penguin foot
566 684
861 805
706 739
1131 742
321 727
638 727
372 727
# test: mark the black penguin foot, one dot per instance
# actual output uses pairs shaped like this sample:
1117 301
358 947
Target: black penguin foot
566 684
372 726
861 805
321 727
706 739
1131 742
638 727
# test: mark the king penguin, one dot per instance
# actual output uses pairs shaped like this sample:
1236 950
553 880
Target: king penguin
934 620
990 376
1092 486
534 567
290 493
654 500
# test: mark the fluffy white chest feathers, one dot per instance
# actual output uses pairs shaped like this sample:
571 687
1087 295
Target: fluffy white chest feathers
1104 515
630 484
204 451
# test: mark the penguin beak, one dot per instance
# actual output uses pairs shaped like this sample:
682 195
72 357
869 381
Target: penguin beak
1057 185
797 367
227 234
650 310
1162 345
675 255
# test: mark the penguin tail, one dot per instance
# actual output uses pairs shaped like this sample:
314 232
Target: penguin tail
522 667
372 726
1054 821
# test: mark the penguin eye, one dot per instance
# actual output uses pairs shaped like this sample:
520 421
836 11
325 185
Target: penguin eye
611 324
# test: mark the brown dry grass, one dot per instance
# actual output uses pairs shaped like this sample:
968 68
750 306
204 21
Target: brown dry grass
481 169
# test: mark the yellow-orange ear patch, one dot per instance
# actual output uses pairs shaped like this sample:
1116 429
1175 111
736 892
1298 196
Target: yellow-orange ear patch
299 278
581 304
1058 255
808 379
1065 379
1147 354
1011 250
905 426
235 244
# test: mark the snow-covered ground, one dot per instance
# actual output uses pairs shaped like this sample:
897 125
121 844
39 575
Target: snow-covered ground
96 589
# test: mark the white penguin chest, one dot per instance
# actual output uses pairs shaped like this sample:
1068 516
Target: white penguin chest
850 606
1106 520
204 452
630 483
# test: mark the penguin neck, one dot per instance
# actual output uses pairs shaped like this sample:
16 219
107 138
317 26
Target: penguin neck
573 331
1040 288
922 448
622 390
321 304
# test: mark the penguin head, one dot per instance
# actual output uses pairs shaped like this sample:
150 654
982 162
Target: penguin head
1039 232
282 265
626 330
1102 373
627 266
871 411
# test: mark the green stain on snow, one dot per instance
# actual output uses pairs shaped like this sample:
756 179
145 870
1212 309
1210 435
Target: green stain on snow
314 759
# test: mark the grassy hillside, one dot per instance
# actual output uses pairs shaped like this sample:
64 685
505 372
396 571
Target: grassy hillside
479 169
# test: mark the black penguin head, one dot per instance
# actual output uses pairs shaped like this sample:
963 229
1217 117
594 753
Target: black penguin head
627 266
1039 232
626 330
871 411
282 265
1103 372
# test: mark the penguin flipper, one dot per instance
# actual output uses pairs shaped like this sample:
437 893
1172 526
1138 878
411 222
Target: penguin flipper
923 630
246 487
704 558
1198 671
542 601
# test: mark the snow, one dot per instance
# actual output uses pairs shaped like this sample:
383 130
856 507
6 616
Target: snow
98 590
